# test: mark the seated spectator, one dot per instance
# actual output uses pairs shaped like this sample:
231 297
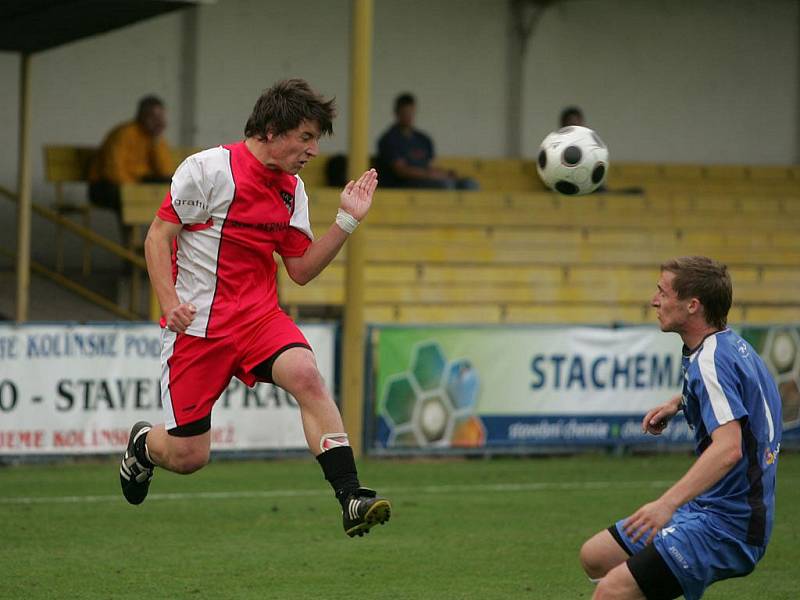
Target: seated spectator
405 155
572 115
132 152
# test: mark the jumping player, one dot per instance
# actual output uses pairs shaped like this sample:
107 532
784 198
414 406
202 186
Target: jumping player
209 254
715 522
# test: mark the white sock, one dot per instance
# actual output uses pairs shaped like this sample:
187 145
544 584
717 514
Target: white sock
333 440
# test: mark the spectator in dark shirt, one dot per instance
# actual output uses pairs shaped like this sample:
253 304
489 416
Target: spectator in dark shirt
405 154
572 115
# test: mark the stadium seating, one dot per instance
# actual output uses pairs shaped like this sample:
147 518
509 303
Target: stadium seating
510 175
493 257
513 253
70 164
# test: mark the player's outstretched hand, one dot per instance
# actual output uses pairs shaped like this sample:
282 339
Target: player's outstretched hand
180 317
657 419
648 520
356 197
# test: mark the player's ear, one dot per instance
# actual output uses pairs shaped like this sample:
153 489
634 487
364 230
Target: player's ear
694 306
269 134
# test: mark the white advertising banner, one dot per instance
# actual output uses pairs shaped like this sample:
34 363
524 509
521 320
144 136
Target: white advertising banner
77 389
510 386
583 370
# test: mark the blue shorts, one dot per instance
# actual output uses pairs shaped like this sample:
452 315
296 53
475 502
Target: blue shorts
698 551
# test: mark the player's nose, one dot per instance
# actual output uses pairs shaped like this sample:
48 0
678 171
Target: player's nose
313 148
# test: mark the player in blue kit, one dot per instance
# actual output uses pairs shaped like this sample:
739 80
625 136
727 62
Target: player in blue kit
715 522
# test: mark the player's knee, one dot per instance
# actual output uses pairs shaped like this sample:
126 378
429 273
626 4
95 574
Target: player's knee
615 585
307 382
604 589
607 588
591 560
189 460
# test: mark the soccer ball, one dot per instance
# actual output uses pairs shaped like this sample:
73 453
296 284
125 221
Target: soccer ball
573 160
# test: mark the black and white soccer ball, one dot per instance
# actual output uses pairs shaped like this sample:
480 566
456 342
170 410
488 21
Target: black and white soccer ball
573 160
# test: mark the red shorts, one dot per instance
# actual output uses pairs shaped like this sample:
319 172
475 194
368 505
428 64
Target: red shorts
195 371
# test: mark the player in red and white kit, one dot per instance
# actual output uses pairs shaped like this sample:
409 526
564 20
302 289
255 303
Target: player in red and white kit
210 257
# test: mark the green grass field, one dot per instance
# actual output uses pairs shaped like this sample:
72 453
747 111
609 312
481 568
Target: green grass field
461 529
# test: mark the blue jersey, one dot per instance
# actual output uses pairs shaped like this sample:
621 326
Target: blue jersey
724 379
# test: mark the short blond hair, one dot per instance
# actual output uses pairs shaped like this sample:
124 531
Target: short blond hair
705 279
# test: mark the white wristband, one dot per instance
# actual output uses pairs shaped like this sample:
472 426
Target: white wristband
346 221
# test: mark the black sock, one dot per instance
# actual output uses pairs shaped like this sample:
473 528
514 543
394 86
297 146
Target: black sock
339 467
140 453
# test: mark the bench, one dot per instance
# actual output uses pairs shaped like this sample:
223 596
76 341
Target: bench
70 164
449 257
512 257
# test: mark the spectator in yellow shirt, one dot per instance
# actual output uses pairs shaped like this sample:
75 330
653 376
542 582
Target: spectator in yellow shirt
132 152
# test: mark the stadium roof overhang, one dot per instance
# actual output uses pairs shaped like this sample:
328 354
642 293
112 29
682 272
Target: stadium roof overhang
30 26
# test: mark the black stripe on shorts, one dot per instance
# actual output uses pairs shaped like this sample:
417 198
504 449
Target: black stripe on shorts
615 534
198 427
653 575
263 370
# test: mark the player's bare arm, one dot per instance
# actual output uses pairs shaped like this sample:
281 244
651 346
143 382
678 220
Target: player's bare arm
157 252
356 200
720 457
657 419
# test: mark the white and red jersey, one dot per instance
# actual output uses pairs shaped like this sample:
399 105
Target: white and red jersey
235 213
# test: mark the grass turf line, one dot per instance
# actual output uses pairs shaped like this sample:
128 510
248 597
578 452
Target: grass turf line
460 529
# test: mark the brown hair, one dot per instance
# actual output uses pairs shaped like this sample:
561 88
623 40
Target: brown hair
287 104
708 281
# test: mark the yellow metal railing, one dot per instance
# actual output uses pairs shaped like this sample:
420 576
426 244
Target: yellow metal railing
95 239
